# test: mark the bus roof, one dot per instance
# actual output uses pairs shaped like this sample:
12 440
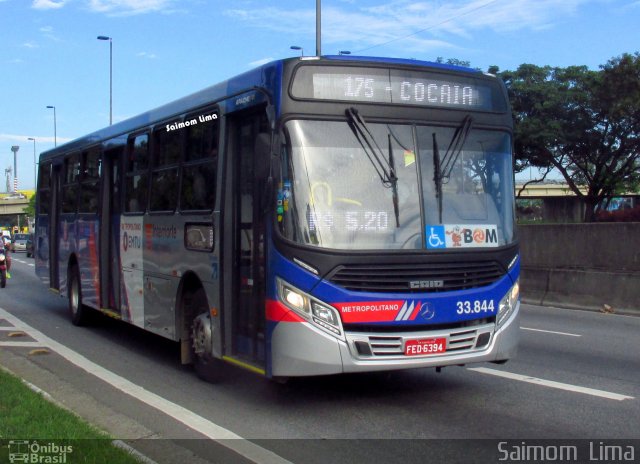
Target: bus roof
236 85
404 62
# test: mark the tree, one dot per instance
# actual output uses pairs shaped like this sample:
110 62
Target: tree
585 124
30 209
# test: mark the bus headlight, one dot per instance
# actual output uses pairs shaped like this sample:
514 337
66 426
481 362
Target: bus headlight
327 318
316 312
295 300
508 303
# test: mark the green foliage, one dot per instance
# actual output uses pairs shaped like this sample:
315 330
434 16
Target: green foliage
30 210
27 415
585 124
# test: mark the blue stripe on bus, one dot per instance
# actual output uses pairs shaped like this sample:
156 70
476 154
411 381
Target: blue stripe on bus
438 308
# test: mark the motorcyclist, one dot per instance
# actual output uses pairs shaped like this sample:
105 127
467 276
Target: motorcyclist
7 254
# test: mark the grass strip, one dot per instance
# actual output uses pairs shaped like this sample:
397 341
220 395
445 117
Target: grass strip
33 429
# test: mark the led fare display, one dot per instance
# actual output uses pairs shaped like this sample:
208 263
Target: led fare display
409 91
396 87
351 221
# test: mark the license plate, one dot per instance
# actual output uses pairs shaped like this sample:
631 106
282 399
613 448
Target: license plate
425 346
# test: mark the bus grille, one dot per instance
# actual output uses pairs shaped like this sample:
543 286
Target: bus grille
392 345
397 277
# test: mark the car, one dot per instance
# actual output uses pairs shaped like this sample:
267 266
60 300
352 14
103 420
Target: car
19 242
30 246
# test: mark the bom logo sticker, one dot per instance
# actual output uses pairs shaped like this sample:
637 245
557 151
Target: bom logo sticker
462 236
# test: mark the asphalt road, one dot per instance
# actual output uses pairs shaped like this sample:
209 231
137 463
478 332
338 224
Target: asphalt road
576 377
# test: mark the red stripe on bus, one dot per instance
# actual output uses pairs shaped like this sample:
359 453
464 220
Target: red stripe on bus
277 312
415 312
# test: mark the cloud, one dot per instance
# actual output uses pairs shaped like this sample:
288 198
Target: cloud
410 25
151 56
23 139
131 7
30 44
339 26
47 31
260 62
48 4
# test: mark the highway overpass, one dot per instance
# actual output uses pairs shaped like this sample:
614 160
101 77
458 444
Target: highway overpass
560 203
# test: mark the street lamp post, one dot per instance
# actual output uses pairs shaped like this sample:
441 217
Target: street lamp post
318 28
104 37
15 149
35 164
55 130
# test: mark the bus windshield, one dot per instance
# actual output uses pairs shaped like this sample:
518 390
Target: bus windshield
353 186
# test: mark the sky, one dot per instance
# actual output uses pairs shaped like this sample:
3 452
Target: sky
167 49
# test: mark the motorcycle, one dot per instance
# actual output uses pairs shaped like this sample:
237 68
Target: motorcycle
3 268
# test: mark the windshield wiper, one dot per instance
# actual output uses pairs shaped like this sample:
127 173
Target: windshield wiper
437 176
385 168
442 167
394 183
455 146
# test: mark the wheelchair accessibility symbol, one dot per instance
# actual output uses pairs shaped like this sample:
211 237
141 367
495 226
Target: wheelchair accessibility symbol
435 237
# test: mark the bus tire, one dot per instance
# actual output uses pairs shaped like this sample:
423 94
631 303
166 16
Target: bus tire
78 312
204 364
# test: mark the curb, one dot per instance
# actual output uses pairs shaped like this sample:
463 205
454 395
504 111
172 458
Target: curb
154 449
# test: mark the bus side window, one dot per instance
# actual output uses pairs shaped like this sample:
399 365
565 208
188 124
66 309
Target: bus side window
198 187
136 184
167 151
89 187
44 189
70 185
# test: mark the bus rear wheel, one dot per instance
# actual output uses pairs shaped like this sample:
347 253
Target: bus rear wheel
78 312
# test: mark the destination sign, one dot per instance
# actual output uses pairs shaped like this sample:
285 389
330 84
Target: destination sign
395 86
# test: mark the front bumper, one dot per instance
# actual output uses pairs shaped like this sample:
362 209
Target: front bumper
300 349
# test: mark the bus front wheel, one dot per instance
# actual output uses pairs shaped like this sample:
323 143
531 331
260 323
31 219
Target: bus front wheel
205 365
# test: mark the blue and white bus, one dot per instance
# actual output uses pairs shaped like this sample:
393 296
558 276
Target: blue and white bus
312 216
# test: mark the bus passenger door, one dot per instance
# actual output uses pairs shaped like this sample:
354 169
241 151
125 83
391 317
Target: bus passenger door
110 233
247 310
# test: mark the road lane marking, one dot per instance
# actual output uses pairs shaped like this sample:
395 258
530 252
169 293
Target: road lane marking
551 332
552 384
224 437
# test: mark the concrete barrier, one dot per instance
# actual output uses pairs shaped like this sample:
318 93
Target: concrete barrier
581 265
